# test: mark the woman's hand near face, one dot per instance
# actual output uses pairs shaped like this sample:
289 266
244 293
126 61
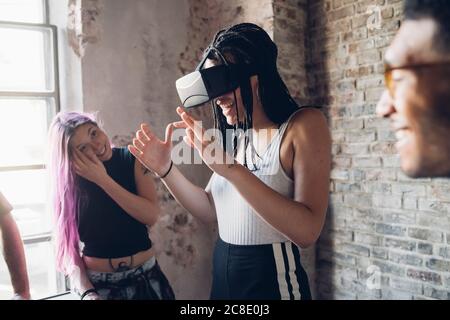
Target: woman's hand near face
89 166
152 152
209 148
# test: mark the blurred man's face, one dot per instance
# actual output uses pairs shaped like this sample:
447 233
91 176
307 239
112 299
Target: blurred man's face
418 99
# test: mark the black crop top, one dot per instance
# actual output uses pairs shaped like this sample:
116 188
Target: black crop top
106 230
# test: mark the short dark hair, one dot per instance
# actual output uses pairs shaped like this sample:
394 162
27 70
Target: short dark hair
437 10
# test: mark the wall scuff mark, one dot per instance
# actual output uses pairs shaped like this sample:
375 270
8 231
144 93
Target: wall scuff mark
82 24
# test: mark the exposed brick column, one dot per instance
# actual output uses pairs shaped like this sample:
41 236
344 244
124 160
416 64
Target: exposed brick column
289 32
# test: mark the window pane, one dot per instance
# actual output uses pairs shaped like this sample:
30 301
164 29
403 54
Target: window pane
26 60
23 130
27 192
41 272
22 11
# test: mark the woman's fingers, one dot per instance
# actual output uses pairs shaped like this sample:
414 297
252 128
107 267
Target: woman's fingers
179 124
147 131
142 136
138 144
188 141
135 152
91 156
190 133
76 156
180 110
189 138
186 118
76 163
190 122
169 132
77 169
83 157
193 138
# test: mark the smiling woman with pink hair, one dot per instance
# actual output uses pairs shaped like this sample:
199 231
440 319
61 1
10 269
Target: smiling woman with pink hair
104 200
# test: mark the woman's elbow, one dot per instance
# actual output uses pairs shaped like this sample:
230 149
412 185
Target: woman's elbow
305 243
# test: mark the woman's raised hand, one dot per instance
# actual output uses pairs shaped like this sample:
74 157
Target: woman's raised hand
89 166
152 152
208 146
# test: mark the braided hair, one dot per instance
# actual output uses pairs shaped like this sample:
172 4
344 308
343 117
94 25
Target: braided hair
248 44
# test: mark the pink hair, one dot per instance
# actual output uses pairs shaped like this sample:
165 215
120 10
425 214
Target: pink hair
64 191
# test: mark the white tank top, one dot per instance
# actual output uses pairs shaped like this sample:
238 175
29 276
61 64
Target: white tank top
238 222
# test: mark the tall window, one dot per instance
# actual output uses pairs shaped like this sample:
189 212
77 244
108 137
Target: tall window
28 101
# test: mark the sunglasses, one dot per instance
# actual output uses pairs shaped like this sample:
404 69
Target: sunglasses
390 83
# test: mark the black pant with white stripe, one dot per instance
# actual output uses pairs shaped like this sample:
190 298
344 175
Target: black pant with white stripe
258 272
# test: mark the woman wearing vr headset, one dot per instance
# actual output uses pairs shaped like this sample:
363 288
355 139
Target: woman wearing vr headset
103 198
270 194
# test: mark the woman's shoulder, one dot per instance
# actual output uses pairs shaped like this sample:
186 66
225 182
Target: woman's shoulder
308 122
307 117
306 114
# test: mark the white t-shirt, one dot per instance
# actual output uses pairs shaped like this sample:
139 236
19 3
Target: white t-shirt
5 206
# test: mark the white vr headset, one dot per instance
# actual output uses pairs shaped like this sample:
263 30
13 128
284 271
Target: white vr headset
203 85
